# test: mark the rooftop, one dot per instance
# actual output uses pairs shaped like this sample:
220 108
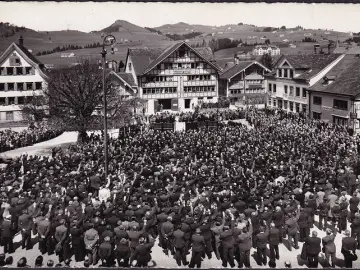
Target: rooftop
346 75
237 68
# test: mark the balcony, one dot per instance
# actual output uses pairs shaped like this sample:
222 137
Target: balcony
160 84
296 99
160 95
199 83
198 94
181 71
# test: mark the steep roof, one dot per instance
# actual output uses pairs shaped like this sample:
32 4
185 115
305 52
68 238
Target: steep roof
311 64
146 59
348 50
346 75
236 69
24 52
127 77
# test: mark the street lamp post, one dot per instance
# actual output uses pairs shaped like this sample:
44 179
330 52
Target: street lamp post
107 40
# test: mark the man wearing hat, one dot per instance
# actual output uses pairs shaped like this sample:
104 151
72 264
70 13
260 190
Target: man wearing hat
105 252
198 248
348 249
7 234
91 240
329 247
142 253
122 252
62 239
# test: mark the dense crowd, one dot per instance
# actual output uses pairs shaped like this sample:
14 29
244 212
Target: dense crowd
216 194
10 139
198 116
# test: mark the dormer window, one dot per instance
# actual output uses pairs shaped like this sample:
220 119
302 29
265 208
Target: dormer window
129 66
14 60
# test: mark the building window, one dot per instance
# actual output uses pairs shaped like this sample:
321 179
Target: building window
297 107
10 71
11 100
270 87
285 73
21 100
269 101
291 73
340 104
304 92
29 86
11 86
38 86
317 100
274 102
297 91
2 86
279 73
291 91
20 86
28 70
304 108
340 121
316 115
291 106
285 104
10 116
285 89
129 66
2 101
19 71
274 88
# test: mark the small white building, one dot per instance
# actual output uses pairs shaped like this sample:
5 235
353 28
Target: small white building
67 55
266 49
22 77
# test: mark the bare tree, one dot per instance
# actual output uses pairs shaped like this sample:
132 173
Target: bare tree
34 109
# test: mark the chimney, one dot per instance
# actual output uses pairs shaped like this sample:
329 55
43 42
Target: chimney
21 41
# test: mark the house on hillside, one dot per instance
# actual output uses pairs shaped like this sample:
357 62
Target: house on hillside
244 81
292 75
175 79
335 98
22 77
242 55
266 49
67 55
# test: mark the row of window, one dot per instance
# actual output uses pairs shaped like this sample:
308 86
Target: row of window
181 65
289 90
337 120
20 86
195 89
5 101
337 103
6 71
163 90
150 79
288 105
247 91
285 73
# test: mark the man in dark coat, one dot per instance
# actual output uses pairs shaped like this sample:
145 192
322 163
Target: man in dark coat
142 253
324 208
313 248
329 247
198 248
179 245
122 252
227 245
43 230
25 224
279 221
62 239
348 249
354 204
261 243
7 235
105 252
77 241
274 241
355 229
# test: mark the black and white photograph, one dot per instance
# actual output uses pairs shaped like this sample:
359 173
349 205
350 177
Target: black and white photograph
179 135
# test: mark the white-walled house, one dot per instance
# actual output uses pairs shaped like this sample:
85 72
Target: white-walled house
292 75
335 98
266 49
21 77
176 78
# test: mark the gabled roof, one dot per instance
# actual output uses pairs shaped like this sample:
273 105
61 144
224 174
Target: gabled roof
348 50
204 53
346 75
236 69
311 64
29 57
126 78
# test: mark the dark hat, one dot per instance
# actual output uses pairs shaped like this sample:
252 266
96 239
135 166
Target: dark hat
50 263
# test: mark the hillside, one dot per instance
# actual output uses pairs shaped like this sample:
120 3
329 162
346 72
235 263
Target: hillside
126 32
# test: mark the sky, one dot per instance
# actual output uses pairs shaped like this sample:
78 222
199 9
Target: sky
91 16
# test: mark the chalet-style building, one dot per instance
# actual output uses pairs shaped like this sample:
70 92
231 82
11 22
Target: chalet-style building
22 77
266 49
245 81
335 98
292 75
176 78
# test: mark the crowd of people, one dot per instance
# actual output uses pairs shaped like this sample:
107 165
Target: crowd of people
198 116
10 139
197 194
